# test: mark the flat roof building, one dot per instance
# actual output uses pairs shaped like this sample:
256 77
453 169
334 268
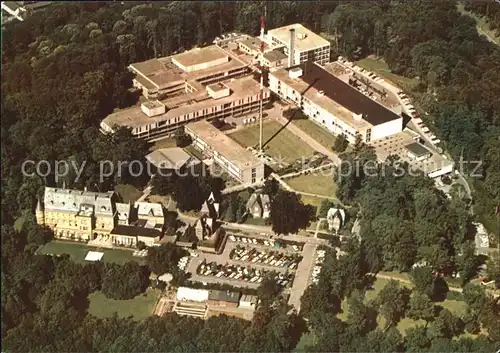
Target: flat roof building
176 75
228 154
307 45
173 158
333 103
404 144
237 97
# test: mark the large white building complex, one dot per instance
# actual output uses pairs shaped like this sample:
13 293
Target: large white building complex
228 154
212 82
333 103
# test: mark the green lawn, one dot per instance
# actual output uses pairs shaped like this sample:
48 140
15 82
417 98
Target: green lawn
379 67
77 252
139 308
284 146
318 183
320 134
456 307
128 192
312 200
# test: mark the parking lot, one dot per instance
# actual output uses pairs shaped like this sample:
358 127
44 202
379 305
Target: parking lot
294 278
266 257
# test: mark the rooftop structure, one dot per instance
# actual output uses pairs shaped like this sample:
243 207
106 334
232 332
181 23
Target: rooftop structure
301 42
174 75
200 58
225 296
222 143
305 39
433 164
169 158
149 209
136 231
274 55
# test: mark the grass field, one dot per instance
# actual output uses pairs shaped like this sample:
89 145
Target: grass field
456 307
311 200
322 135
139 308
284 146
318 183
380 67
128 192
77 252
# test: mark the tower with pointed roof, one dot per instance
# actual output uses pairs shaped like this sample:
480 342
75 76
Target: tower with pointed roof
39 213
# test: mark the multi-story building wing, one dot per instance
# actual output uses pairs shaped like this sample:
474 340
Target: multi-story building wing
156 119
228 154
76 214
307 45
333 103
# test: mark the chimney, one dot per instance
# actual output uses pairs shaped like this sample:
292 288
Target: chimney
291 48
262 28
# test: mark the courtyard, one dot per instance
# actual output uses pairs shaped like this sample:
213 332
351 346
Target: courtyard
279 143
320 134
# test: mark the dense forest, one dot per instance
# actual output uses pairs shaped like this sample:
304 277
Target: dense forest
64 69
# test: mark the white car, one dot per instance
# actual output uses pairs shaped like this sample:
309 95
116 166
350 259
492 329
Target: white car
232 238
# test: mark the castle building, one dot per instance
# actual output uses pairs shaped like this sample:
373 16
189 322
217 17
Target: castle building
84 216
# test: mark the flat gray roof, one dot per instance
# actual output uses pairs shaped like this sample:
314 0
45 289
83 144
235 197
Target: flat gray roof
310 42
168 158
223 144
185 104
274 55
417 149
199 56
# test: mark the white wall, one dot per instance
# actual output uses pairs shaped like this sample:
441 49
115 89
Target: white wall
387 129
445 170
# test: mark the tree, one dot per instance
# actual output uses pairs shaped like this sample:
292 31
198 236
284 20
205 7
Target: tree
416 339
340 143
493 268
324 207
271 187
124 282
467 262
218 123
289 214
164 258
360 317
421 307
392 301
446 325
181 138
423 279
476 298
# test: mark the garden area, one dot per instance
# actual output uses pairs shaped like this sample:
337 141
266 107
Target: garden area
318 183
139 307
284 146
320 134
78 251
